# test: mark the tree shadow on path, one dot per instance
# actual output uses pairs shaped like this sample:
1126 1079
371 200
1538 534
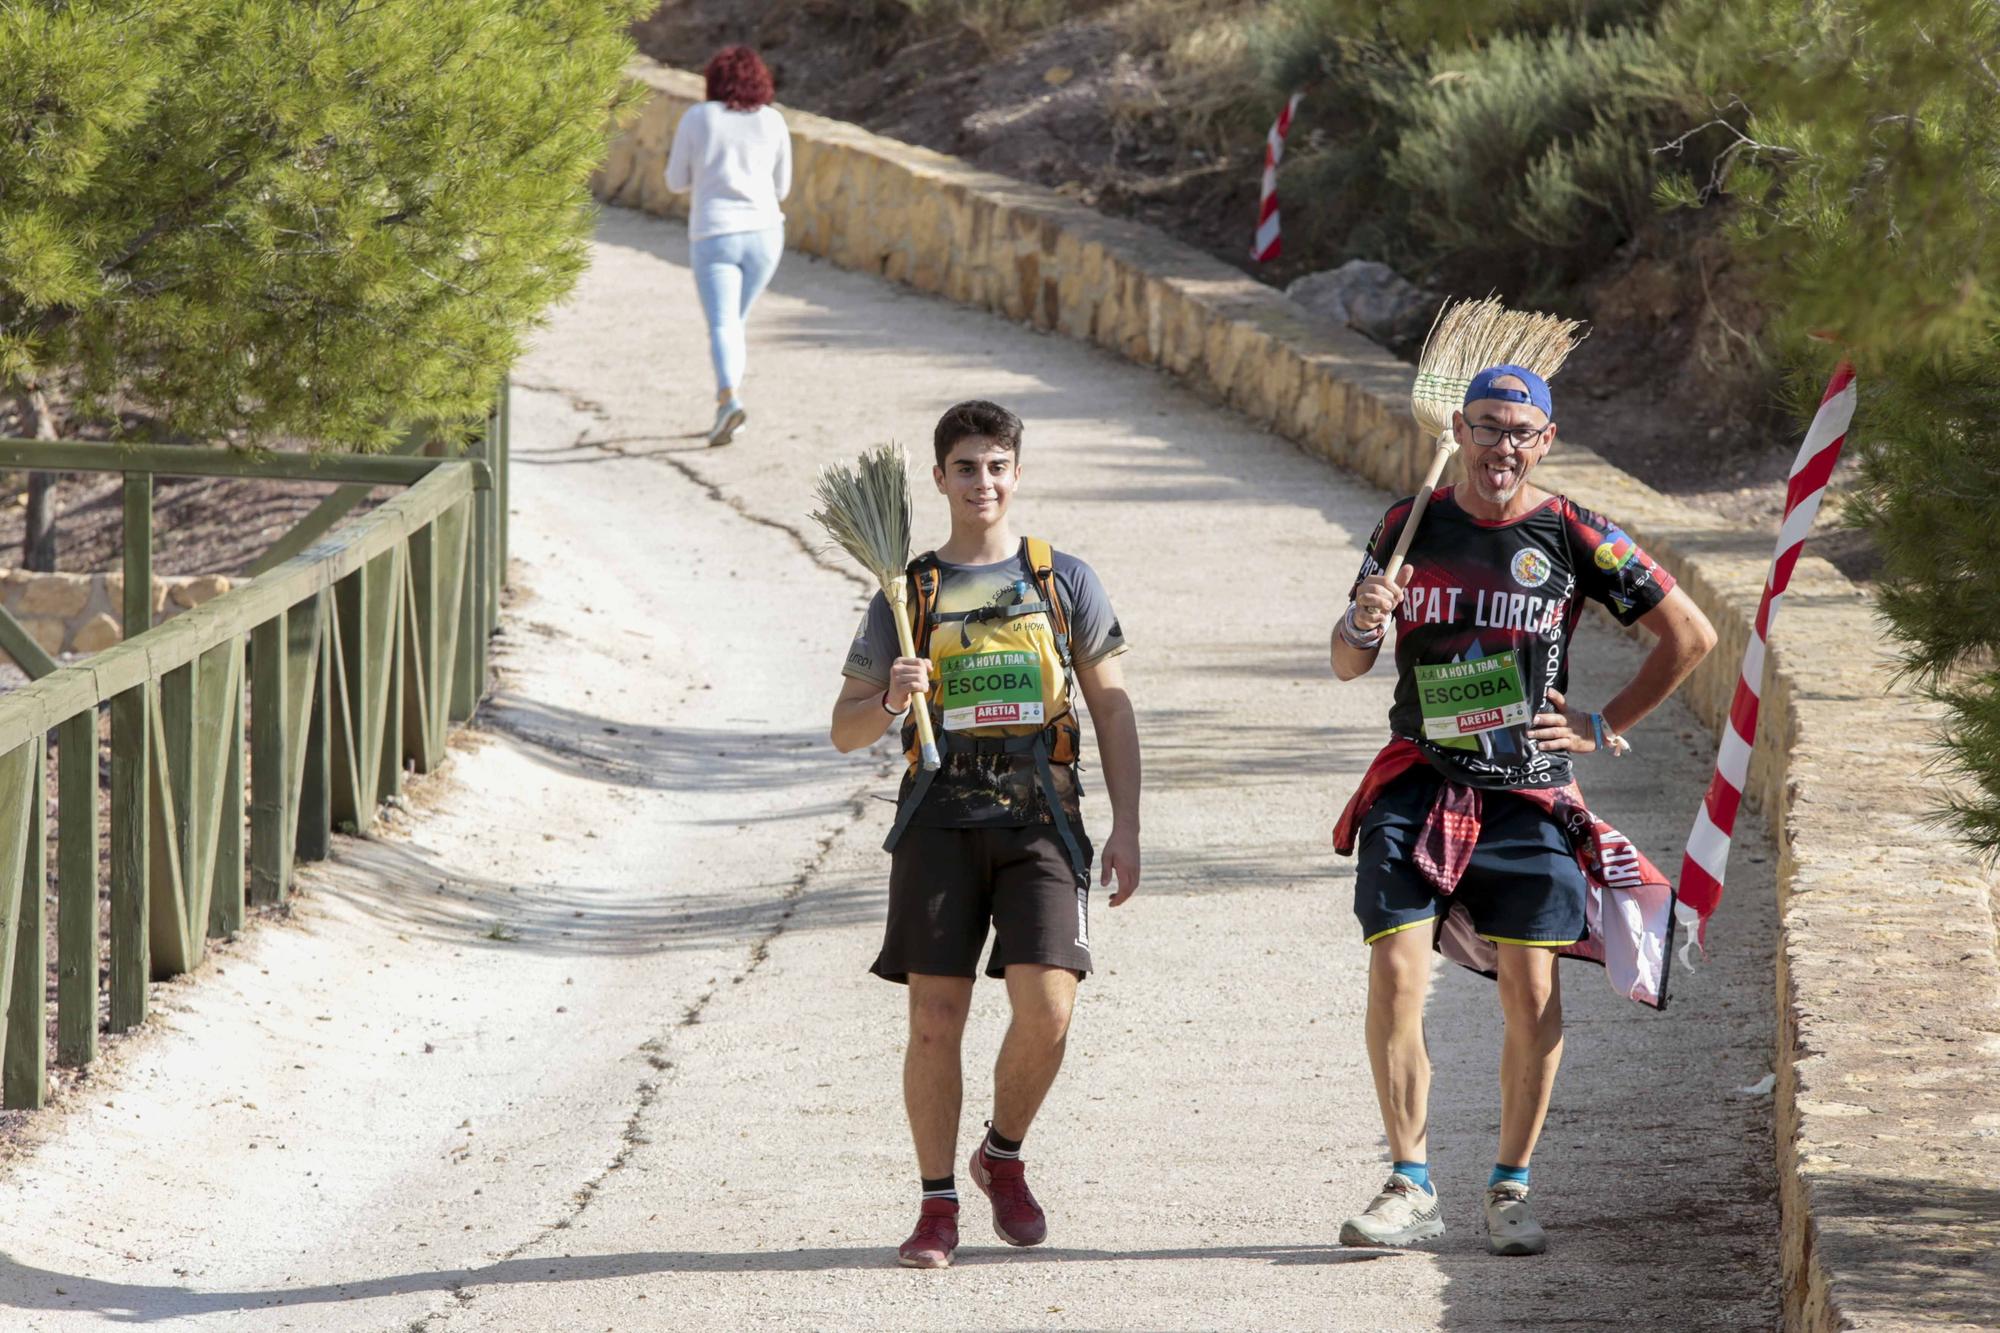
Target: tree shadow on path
29 1288
409 887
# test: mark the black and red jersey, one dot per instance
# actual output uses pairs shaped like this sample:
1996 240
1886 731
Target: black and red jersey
1483 631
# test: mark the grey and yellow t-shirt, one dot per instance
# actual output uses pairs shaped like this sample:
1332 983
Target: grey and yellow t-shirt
973 791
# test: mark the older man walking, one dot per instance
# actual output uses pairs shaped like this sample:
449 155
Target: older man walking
1469 823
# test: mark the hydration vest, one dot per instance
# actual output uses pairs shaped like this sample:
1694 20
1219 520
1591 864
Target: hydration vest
1002 681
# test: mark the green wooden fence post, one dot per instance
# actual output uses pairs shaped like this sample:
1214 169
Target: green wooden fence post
421 670
167 908
138 598
465 575
76 889
270 760
175 838
449 538
360 685
226 900
131 833
488 593
314 841
24 1084
503 470
389 769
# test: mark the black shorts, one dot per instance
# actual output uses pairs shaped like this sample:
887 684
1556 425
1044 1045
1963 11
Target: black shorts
946 884
1523 885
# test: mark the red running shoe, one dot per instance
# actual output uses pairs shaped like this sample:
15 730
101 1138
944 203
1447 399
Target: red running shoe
1017 1218
936 1236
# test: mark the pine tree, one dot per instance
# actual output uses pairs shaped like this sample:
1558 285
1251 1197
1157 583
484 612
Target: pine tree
1867 173
253 217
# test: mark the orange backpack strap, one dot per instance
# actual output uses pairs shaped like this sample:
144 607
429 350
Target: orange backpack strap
1042 562
1058 741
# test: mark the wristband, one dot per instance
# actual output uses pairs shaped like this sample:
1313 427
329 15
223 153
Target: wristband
892 712
1597 729
1355 636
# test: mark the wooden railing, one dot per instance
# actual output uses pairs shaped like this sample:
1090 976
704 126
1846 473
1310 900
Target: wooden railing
358 653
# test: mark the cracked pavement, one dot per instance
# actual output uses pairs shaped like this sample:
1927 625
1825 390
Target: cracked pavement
584 1039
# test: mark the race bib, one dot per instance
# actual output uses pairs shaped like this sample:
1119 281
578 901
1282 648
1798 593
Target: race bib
990 690
1460 699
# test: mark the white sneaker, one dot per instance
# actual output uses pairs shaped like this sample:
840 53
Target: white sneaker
1510 1227
729 419
1403 1213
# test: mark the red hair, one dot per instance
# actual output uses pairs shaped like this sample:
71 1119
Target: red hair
738 79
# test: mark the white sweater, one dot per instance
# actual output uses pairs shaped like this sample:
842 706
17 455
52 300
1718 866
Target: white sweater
739 165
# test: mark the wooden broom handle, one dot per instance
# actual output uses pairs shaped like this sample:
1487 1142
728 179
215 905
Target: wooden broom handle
1446 447
898 594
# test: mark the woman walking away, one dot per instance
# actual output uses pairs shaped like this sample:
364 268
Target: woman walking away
734 152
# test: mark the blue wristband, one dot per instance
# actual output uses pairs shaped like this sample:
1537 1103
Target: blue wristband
1597 728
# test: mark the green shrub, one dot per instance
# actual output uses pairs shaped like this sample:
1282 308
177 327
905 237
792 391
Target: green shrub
1508 140
1296 33
1533 153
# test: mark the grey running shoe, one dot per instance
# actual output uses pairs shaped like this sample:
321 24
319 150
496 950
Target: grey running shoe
729 419
1402 1214
1510 1227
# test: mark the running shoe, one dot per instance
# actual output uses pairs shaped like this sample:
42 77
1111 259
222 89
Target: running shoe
1402 1214
1017 1218
729 419
1510 1227
936 1236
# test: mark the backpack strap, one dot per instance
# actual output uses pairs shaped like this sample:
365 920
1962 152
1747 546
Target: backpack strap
923 577
1077 862
1042 564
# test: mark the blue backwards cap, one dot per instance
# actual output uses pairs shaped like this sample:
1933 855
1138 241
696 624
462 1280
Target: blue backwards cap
1536 396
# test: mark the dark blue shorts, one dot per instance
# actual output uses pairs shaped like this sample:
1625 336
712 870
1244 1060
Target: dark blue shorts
1522 887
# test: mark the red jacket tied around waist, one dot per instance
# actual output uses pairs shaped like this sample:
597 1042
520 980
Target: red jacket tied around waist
1630 908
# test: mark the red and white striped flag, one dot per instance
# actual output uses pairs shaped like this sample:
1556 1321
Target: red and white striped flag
1268 244
1715 822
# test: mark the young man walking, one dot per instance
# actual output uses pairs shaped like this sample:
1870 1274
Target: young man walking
1007 630
1472 835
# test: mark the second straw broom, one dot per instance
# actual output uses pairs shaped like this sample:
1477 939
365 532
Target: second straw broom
1468 337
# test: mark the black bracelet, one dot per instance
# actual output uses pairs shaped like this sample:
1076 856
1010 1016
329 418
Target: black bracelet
885 705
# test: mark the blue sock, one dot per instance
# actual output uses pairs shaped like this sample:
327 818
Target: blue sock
1517 1174
1417 1173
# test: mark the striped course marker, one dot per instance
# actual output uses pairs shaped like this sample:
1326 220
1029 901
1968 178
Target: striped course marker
1714 824
1268 244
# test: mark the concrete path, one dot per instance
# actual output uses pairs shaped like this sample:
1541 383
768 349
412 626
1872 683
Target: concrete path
584 1040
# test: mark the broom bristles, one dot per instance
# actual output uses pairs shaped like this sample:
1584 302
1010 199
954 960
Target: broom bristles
865 509
1471 335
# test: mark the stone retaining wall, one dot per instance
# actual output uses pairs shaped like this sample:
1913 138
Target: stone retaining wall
1888 1052
80 613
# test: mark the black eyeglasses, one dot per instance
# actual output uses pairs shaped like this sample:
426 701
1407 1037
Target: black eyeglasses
1521 437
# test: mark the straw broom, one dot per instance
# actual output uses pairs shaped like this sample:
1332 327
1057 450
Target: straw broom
866 510
1468 337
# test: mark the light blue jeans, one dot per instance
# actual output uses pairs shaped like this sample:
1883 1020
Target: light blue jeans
731 272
